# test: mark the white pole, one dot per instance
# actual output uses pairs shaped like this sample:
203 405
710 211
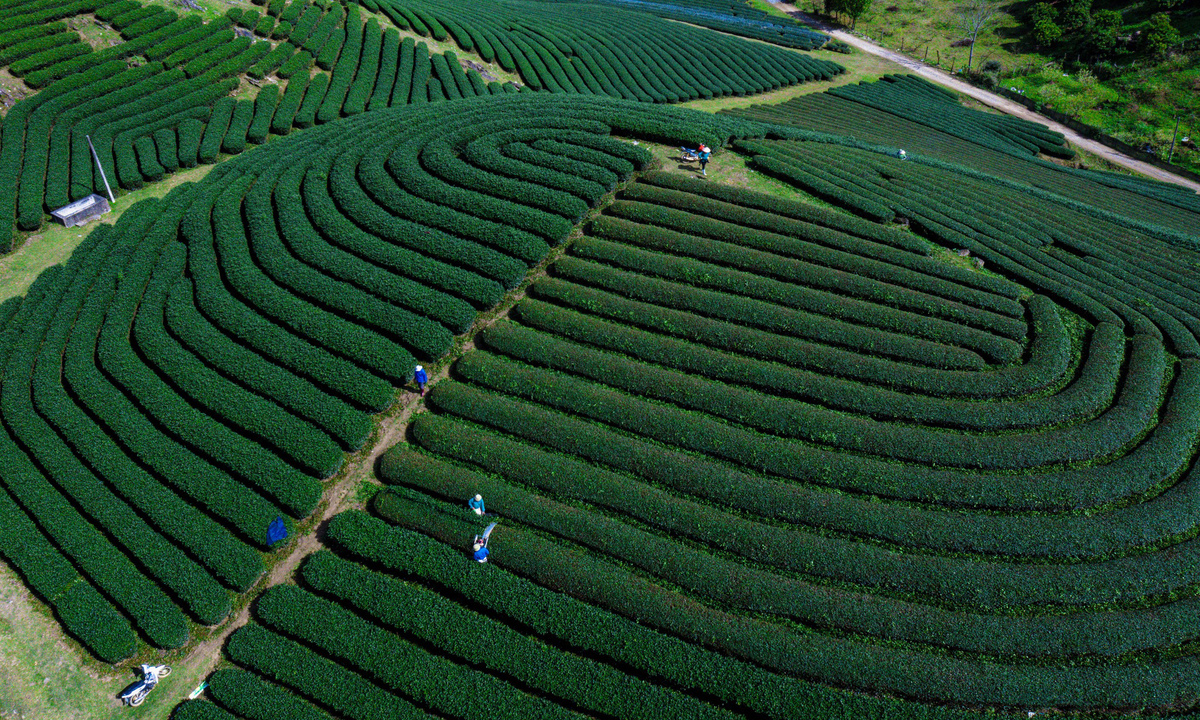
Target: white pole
101 169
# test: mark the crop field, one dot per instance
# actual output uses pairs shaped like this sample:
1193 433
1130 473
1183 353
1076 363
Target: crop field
909 436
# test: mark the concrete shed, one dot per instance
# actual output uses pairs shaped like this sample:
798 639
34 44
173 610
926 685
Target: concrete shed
82 210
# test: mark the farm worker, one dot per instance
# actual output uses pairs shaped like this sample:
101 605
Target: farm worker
902 155
704 154
481 551
476 504
421 377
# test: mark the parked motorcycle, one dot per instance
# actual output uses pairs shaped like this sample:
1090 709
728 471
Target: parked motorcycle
137 692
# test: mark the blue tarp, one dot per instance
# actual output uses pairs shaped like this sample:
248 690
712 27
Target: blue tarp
277 531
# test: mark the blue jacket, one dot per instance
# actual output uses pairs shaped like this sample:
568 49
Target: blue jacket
481 554
476 505
421 377
704 156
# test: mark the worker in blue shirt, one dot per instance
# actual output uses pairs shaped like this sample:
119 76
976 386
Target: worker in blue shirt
421 377
481 552
476 504
704 155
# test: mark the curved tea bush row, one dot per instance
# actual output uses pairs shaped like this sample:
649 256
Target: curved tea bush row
640 448
560 620
193 66
195 371
369 68
915 111
837 658
844 587
607 50
465 634
736 18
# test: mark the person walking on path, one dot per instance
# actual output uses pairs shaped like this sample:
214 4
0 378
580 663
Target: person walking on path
703 156
476 504
421 378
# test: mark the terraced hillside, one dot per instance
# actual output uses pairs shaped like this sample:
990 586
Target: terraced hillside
161 99
907 112
743 451
196 370
903 435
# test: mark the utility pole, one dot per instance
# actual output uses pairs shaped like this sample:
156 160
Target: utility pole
1173 136
100 167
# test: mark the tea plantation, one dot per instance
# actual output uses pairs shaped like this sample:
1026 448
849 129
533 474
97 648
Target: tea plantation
832 431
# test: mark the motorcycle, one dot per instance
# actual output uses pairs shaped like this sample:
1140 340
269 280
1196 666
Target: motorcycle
137 692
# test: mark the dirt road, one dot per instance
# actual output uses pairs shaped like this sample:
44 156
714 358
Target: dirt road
991 99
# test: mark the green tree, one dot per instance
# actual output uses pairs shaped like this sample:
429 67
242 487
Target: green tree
1161 35
1045 30
1102 34
855 8
1076 14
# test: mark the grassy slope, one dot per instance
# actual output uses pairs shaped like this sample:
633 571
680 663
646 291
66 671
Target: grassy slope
1136 106
54 243
40 677
32 645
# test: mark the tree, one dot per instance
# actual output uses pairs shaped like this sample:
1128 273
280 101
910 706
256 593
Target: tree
1161 35
1076 14
977 16
855 8
1103 32
1045 30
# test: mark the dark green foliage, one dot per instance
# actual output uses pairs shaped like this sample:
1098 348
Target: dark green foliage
368 69
333 686
190 134
29 56
187 39
251 697
343 73
264 111
280 56
239 123
249 19
214 132
289 104
297 63
199 710
1161 34
306 115
468 635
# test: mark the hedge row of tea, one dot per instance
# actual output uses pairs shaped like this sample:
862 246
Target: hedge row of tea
731 16
813 443
388 623
596 50
196 370
910 113
174 111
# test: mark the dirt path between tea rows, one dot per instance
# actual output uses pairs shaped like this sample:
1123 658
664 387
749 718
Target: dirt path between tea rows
991 99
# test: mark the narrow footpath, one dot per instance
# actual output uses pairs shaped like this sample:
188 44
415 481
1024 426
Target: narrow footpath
991 99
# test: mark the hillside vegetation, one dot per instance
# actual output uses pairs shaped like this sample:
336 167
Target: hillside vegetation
879 410
1128 68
